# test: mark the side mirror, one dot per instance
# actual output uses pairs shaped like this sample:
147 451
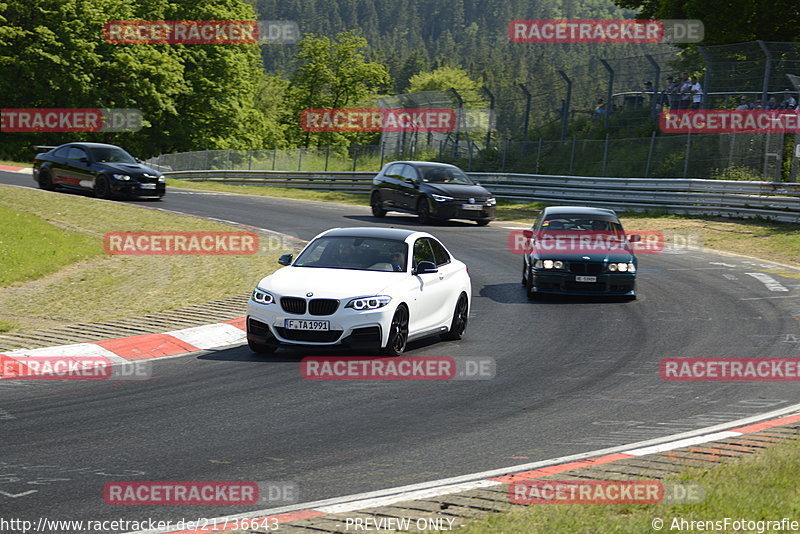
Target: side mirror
138 160
634 238
411 181
286 259
425 267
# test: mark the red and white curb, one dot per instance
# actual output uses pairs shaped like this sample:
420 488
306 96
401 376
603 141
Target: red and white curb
21 170
353 503
148 346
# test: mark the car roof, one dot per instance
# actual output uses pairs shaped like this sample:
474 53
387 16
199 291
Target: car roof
399 234
578 210
427 163
90 145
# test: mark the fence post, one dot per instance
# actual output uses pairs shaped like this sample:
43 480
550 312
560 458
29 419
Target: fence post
605 156
274 155
458 119
572 155
707 81
686 158
656 81
527 110
382 145
299 159
538 155
767 72
730 149
327 155
355 158
469 147
228 159
505 151
609 92
567 103
208 160
650 154
491 115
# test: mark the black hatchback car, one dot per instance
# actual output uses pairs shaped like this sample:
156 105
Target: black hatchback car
432 191
106 170
575 250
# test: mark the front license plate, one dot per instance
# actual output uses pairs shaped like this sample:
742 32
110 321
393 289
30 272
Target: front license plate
147 186
586 279
302 324
473 207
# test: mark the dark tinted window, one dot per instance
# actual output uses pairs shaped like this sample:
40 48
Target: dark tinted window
442 257
423 252
410 172
359 253
436 174
111 154
393 170
76 153
580 222
61 152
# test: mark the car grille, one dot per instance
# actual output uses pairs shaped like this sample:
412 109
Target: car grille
586 268
293 305
146 179
312 336
584 286
322 306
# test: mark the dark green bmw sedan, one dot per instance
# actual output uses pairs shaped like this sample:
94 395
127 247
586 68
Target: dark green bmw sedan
573 250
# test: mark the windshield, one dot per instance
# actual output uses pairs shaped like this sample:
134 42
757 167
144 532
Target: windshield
111 155
443 175
582 223
358 253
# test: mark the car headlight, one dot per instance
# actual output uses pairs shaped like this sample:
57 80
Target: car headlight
491 201
162 178
548 264
369 303
622 267
441 198
262 297
123 177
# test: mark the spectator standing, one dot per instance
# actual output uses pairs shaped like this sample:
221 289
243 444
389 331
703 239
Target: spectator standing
674 93
788 101
772 103
685 91
744 104
600 109
697 93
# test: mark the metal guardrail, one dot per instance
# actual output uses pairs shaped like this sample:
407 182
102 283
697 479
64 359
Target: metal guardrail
770 200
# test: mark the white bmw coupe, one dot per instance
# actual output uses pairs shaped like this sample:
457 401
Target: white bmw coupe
363 288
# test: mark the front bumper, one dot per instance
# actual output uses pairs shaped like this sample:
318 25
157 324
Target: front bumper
348 327
565 283
135 189
454 210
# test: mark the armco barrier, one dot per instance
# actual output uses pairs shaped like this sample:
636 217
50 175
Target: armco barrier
770 200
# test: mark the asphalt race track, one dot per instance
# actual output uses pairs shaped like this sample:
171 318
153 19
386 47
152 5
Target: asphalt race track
572 376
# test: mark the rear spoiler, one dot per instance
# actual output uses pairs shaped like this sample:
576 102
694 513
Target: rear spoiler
43 148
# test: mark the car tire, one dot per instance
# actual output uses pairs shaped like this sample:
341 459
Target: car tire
102 188
460 317
424 211
261 348
532 295
483 222
375 203
45 181
398 333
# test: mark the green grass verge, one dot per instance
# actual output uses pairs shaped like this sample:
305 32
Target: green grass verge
278 192
758 487
97 286
16 163
31 247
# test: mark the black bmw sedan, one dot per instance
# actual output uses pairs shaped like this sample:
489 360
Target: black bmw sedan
432 191
106 170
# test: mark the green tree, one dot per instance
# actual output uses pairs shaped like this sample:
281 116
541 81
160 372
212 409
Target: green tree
333 73
445 78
